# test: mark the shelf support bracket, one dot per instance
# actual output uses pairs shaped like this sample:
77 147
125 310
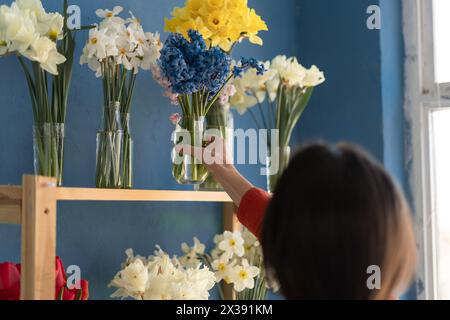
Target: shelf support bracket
38 238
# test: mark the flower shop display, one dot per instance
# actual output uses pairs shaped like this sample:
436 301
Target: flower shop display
194 76
10 283
30 33
160 277
287 87
236 260
116 50
221 24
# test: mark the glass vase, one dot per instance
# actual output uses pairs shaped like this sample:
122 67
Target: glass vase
48 147
282 157
109 149
220 121
127 153
187 169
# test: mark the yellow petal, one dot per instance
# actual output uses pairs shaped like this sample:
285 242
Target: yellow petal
255 39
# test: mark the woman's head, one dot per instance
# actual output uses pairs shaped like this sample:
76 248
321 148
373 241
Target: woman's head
335 212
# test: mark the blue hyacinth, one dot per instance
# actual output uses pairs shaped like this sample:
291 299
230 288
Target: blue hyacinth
191 67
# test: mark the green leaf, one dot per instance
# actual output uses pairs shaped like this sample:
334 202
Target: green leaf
79 294
61 294
31 87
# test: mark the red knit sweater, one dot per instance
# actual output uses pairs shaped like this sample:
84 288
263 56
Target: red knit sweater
252 209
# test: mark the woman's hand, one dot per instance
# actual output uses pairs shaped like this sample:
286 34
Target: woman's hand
219 161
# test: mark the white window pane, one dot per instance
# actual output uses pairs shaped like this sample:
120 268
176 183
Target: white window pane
441 164
441 14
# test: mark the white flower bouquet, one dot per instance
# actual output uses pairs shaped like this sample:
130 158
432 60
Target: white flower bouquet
29 32
116 50
160 277
287 87
236 260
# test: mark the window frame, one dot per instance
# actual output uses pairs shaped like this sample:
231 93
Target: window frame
422 97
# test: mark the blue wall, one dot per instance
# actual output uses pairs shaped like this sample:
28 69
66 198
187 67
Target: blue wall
348 106
362 99
95 235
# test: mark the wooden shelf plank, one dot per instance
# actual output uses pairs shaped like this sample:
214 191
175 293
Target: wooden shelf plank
10 194
9 214
10 204
82 194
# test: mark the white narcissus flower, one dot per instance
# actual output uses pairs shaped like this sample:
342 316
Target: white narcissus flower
218 238
152 51
243 276
47 24
232 244
17 28
33 6
251 243
52 26
123 40
223 269
162 278
92 62
190 259
251 88
123 47
132 280
44 51
97 44
108 14
313 77
289 70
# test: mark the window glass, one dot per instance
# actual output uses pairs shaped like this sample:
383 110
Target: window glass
441 17
441 169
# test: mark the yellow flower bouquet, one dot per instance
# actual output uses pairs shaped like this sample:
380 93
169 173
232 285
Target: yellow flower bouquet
222 23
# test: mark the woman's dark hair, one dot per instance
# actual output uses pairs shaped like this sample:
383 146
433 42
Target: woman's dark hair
335 212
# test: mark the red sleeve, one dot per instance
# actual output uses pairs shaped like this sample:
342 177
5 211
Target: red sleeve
252 209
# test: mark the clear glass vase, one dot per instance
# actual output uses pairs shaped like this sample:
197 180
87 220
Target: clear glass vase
220 121
127 150
187 169
282 157
109 149
48 147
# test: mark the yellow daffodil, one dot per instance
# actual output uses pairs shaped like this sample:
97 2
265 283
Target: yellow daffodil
216 4
221 22
216 20
194 6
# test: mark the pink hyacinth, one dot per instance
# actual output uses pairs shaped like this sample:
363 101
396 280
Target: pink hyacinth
175 118
227 92
164 82
173 97
159 78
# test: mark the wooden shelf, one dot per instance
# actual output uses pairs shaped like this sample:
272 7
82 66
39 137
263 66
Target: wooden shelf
33 205
80 194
